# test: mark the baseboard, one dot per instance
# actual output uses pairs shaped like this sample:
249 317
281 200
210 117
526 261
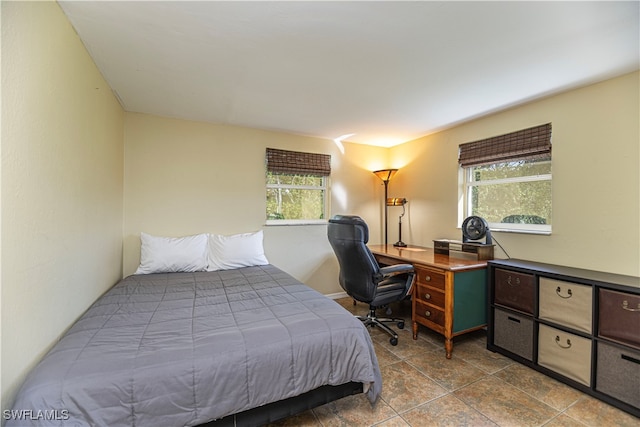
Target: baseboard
337 295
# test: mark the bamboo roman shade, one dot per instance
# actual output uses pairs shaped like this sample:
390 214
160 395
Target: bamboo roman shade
526 144
299 163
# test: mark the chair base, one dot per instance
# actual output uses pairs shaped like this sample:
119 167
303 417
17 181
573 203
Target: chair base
372 320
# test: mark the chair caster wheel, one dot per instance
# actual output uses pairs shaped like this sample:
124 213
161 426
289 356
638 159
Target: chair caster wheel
400 325
394 341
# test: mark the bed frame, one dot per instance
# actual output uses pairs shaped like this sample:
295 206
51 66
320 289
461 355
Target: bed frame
285 408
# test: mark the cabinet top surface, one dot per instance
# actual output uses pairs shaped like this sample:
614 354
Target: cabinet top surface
564 271
426 256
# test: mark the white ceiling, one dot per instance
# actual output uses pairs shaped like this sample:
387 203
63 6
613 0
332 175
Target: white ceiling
387 72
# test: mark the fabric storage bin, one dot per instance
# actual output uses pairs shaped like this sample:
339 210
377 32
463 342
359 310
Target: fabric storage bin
513 333
566 303
618 373
619 316
514 290
565 353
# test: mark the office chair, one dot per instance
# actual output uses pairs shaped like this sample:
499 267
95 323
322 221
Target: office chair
360 275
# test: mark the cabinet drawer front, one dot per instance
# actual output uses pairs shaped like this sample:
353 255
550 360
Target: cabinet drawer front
619 317
565 353
515 290
429 295
433 278
430 313
618 373
566 303
513 333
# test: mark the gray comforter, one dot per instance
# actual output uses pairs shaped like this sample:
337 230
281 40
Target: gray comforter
185 348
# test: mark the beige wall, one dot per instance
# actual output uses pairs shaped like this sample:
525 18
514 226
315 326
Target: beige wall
62 168
596 178
185 177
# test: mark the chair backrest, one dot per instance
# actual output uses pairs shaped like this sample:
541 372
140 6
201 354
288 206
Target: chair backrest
359 270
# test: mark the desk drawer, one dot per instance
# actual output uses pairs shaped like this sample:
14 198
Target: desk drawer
428 312
429 295
433 278
514 290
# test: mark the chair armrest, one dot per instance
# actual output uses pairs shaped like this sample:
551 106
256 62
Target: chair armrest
392 270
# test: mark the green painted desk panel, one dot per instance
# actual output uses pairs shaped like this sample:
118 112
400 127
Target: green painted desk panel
469 300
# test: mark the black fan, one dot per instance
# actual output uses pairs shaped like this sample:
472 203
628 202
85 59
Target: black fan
475 228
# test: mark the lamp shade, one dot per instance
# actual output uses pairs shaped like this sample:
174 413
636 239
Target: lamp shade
396 201
385 174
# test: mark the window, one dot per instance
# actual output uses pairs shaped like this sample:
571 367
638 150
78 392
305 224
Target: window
297 187
507 180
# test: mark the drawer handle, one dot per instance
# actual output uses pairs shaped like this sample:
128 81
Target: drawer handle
427 296
427 313
569 293
630 359
427 278
562 346
513 319
625 306
516 281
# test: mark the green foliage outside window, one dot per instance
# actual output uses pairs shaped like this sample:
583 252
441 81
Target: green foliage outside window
295 197
512 192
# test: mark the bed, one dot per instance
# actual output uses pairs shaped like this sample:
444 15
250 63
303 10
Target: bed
186 349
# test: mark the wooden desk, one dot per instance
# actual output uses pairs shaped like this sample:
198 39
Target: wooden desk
449 295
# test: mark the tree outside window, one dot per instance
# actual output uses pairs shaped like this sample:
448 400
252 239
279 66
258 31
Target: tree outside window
296 186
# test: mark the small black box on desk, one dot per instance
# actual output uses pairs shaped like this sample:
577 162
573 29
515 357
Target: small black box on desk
481 251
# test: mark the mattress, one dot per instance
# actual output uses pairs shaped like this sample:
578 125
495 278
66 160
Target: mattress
182 349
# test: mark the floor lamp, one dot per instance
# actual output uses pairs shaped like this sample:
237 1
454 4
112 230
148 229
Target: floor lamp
385 175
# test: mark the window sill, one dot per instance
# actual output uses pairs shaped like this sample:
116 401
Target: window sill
288 222
511 230
502 229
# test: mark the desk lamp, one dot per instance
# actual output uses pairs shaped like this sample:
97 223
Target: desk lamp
385 175
398 201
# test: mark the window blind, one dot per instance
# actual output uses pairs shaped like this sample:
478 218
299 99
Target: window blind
526 144
299 163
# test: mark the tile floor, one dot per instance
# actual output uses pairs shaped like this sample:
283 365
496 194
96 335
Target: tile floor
474 388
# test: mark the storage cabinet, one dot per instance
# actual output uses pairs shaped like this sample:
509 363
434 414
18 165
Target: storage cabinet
578 326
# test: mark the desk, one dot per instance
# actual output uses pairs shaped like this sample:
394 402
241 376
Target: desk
449 295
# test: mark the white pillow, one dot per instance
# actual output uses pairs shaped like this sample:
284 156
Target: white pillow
172 254
238 250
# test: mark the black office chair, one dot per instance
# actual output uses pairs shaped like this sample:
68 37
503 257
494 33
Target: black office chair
360 275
